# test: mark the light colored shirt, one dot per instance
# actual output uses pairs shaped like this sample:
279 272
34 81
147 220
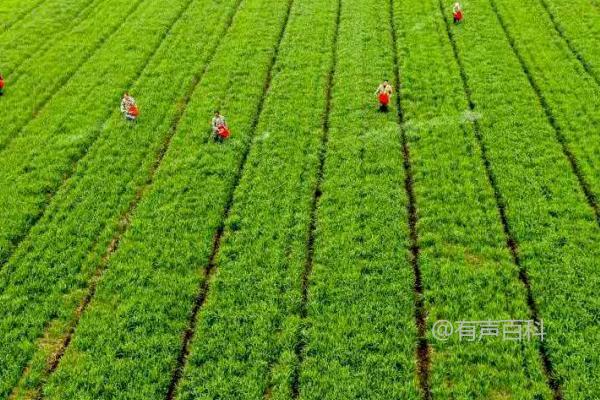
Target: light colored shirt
383 88
126 103
218 121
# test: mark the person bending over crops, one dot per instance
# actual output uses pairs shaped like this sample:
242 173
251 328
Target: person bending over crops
219 127
1 85
457 12
129 108
384 94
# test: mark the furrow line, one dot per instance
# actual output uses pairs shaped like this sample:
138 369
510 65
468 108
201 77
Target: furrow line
576 53
314 208
125 221
68 175
211 266
423 351
79 18
268 392
126 218
585 186
37 109
23 16
511 242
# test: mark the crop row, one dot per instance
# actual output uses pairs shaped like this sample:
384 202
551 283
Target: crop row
361 336
483 152
13 11
553 227
47 277
22 41
246 341
578 21
129 339
561 83
467 269
37 83
46 151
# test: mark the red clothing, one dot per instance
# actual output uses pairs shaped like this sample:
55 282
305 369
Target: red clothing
1 84
384 99
458 16
223 132
133 111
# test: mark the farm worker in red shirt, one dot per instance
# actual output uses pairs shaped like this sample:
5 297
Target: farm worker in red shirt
219 127
129 108
384 94
1 85
457 12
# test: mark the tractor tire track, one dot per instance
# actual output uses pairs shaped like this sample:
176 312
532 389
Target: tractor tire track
511 242
585 186
20 18
211 267
44 47
45 100
127 217
576 53
423 351
314 208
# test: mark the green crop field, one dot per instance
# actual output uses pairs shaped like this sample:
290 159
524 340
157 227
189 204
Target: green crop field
448 248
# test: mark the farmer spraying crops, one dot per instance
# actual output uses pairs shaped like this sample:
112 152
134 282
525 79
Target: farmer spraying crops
219 127
129 108
457 12
1 85
384 94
